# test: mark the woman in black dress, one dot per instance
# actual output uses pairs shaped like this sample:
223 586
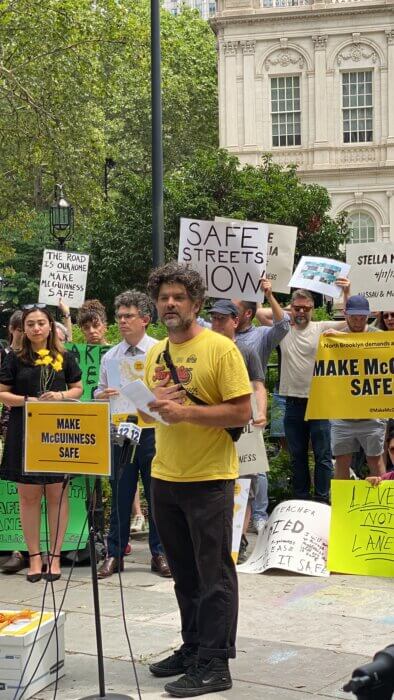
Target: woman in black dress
40 371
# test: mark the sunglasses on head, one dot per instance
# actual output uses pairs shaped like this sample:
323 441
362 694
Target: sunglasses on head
29 307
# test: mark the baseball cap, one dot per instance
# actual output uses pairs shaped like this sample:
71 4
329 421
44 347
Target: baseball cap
357 305
225 307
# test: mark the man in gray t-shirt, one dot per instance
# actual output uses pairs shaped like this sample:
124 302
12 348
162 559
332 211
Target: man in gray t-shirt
347 436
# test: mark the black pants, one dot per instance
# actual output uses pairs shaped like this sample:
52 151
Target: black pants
195 522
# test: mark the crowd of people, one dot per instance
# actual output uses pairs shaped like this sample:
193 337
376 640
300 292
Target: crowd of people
208 377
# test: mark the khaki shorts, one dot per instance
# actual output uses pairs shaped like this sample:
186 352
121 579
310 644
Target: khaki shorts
347 436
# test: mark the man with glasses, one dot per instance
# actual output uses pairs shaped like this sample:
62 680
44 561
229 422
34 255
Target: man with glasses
133 311
298 350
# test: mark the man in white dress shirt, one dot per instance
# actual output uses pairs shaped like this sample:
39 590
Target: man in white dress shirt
133 312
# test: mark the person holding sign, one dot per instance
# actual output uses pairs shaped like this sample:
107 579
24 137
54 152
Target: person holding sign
41 370
298 350
348 436
193 476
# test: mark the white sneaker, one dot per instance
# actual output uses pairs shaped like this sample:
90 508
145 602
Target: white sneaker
137 523
259 525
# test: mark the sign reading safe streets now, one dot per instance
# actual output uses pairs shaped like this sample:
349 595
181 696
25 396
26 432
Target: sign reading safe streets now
230 257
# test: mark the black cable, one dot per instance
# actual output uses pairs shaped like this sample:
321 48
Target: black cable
130 458
58 613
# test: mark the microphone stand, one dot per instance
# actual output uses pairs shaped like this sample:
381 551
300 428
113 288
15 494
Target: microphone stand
127 454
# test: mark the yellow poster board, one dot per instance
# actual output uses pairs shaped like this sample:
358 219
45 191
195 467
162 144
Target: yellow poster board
67 438
353 377
361 537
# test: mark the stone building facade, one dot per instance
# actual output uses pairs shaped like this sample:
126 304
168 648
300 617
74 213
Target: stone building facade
206 8
312 82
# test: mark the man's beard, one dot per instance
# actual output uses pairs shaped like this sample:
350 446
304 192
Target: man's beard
181 324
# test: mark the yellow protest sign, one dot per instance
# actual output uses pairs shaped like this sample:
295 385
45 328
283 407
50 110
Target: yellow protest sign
67 438
361 537
353 377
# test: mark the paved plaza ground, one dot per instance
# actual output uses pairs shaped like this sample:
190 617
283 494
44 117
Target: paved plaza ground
298 636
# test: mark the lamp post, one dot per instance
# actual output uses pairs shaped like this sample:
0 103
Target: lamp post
61 218
157 138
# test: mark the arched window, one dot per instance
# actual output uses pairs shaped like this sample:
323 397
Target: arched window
362 228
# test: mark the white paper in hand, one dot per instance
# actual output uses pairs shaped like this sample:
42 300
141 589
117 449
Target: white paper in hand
141 397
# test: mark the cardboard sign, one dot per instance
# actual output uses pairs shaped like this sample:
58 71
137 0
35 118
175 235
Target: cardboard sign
63 437
319 275
11 533
294 539
361 535
241 495
280 253
89 359
353 377
372 273
231 257
251 450
63 274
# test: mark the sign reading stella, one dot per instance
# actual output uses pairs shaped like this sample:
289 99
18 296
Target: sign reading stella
231 257
67 438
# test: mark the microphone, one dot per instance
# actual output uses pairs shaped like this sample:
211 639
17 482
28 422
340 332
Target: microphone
376 679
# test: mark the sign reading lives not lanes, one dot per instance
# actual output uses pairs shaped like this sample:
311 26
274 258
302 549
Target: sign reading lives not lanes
67 438
231 257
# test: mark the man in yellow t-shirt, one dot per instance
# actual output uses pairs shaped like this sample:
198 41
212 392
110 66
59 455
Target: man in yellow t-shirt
193 476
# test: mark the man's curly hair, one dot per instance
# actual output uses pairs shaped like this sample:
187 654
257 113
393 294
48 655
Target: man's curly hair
177 273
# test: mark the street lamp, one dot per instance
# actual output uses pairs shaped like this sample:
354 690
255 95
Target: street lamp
61 218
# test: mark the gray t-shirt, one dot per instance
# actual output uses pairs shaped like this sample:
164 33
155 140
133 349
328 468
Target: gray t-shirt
252 362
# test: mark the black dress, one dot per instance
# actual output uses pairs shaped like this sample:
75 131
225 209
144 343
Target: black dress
24 380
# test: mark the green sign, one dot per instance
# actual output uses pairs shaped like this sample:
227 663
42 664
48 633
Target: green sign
88 358
11 533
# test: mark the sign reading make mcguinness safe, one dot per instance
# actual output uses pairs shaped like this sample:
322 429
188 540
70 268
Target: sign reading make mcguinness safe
63 274
67 438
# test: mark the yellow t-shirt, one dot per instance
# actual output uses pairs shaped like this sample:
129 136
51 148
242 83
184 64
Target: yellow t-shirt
211 367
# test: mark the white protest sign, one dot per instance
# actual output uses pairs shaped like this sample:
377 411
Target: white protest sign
319 275
251 450
63 274
280 253
372 273
231 258
241 495
295 538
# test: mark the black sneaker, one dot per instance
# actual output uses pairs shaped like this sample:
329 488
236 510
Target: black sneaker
179 662
209 677
242 554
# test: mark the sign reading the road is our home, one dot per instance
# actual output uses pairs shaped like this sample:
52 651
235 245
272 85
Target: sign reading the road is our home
67 438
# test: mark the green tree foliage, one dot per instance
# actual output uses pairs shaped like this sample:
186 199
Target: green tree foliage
209 184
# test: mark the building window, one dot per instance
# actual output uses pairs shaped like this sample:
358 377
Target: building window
362 228
357 106
286 111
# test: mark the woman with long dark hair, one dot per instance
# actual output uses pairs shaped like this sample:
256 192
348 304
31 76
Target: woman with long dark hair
41 370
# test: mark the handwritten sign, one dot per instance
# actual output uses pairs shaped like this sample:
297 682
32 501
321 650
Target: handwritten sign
230 257
11 533
295 539
63 274
372 273
67 438
89 359
319 275
362 534
251 450
241 495
353 377
280 252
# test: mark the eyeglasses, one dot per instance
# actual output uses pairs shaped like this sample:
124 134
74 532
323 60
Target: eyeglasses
388 314
29 307
127 317
302 308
